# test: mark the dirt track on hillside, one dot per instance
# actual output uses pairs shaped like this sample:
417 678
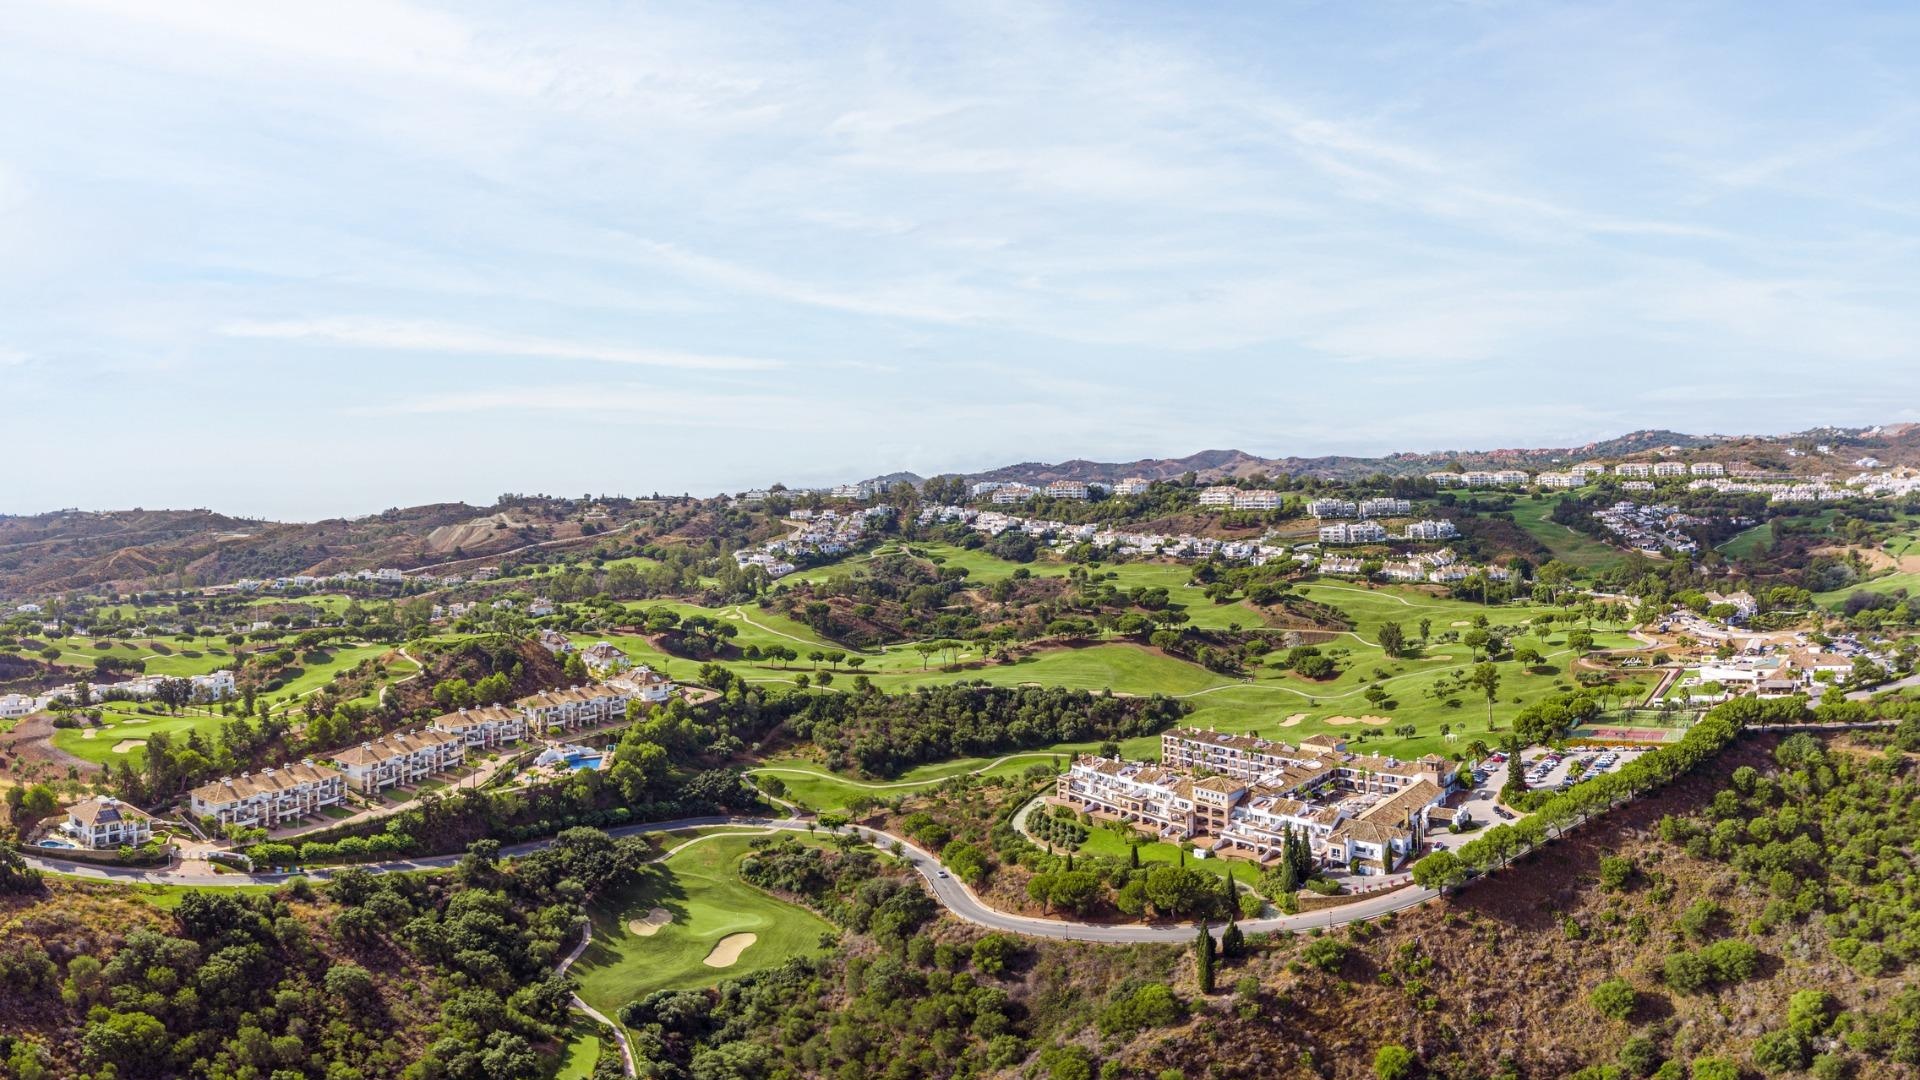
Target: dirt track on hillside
31 740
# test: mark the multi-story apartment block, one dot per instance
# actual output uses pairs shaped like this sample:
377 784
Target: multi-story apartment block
486 727
401 759
1216 496
1334 564
1707 468
1384 507
1559 480
1587 469
1332 508
1359 532
1067 489
106 822
1669 468
1244 794
1133 485
1447 479
1258 499
553 712
269 797
1430 530
1633 469
1011 494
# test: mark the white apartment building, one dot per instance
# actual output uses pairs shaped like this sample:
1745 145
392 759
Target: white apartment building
1359 532
1559 480
1669 468
1335 564
400 759
1446 479
1067 489
1588 469
1633 468
1258 499
1332 508
1217 496
605 656
269 797
14 706
1430 530
1384 507
555 711
486 727
1707 468
1011 494
1133 485
985 487
105 822
643 684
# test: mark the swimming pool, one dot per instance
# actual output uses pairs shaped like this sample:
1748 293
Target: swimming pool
577 762
52 842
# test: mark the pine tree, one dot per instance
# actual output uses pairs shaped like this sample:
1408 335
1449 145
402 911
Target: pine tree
1203 959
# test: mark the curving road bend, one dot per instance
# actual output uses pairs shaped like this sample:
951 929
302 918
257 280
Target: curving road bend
953 894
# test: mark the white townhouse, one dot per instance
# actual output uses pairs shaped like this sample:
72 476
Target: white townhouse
106 822
555 642
1334 564
605 656
14 706
556 711
485 727
406 758
1331 508
269 797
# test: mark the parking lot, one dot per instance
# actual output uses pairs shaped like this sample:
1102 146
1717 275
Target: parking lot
1545 769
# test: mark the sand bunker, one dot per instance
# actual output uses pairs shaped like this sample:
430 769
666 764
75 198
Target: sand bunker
727 951
1460 622
87 733
1373 721
127 746
650 923
1294 720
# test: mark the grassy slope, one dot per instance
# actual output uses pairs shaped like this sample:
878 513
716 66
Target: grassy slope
1574 548
700 885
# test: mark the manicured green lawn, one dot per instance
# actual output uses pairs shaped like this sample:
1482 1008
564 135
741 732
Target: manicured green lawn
1102 840
124 723
1885 583
1748 543
580 1052
817 788
700 885
1574 548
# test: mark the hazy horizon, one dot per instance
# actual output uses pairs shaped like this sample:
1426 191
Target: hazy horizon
312 262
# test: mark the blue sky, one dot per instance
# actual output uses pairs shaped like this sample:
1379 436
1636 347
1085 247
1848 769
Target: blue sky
323 259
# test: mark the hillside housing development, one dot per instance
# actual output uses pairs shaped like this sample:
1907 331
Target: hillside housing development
1240 795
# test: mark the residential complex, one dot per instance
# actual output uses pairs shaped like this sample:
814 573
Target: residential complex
1132 485
1359 532
397 759
1240 795
1333 508
270 797
1238 499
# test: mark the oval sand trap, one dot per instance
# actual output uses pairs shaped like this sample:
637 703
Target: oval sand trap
650 923
1294 720
87 733
1371 721
726 952
127 746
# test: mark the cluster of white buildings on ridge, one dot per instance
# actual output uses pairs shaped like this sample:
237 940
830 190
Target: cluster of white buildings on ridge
824 533
1241 795
1372 532
1651 530
274 797
1362 508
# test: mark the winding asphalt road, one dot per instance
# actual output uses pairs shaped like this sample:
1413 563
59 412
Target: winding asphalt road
952 893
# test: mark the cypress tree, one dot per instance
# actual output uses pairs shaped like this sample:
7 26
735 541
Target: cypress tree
1203 959
1133 855
1232 941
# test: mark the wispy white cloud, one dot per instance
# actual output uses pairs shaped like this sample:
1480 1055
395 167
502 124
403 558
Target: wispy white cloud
420 337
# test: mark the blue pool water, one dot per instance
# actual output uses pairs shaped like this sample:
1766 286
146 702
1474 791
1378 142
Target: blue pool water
52 843
577 762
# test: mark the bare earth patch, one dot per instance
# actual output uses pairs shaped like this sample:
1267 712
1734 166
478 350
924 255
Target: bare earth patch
726 952
650 923
1372 721
128 746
